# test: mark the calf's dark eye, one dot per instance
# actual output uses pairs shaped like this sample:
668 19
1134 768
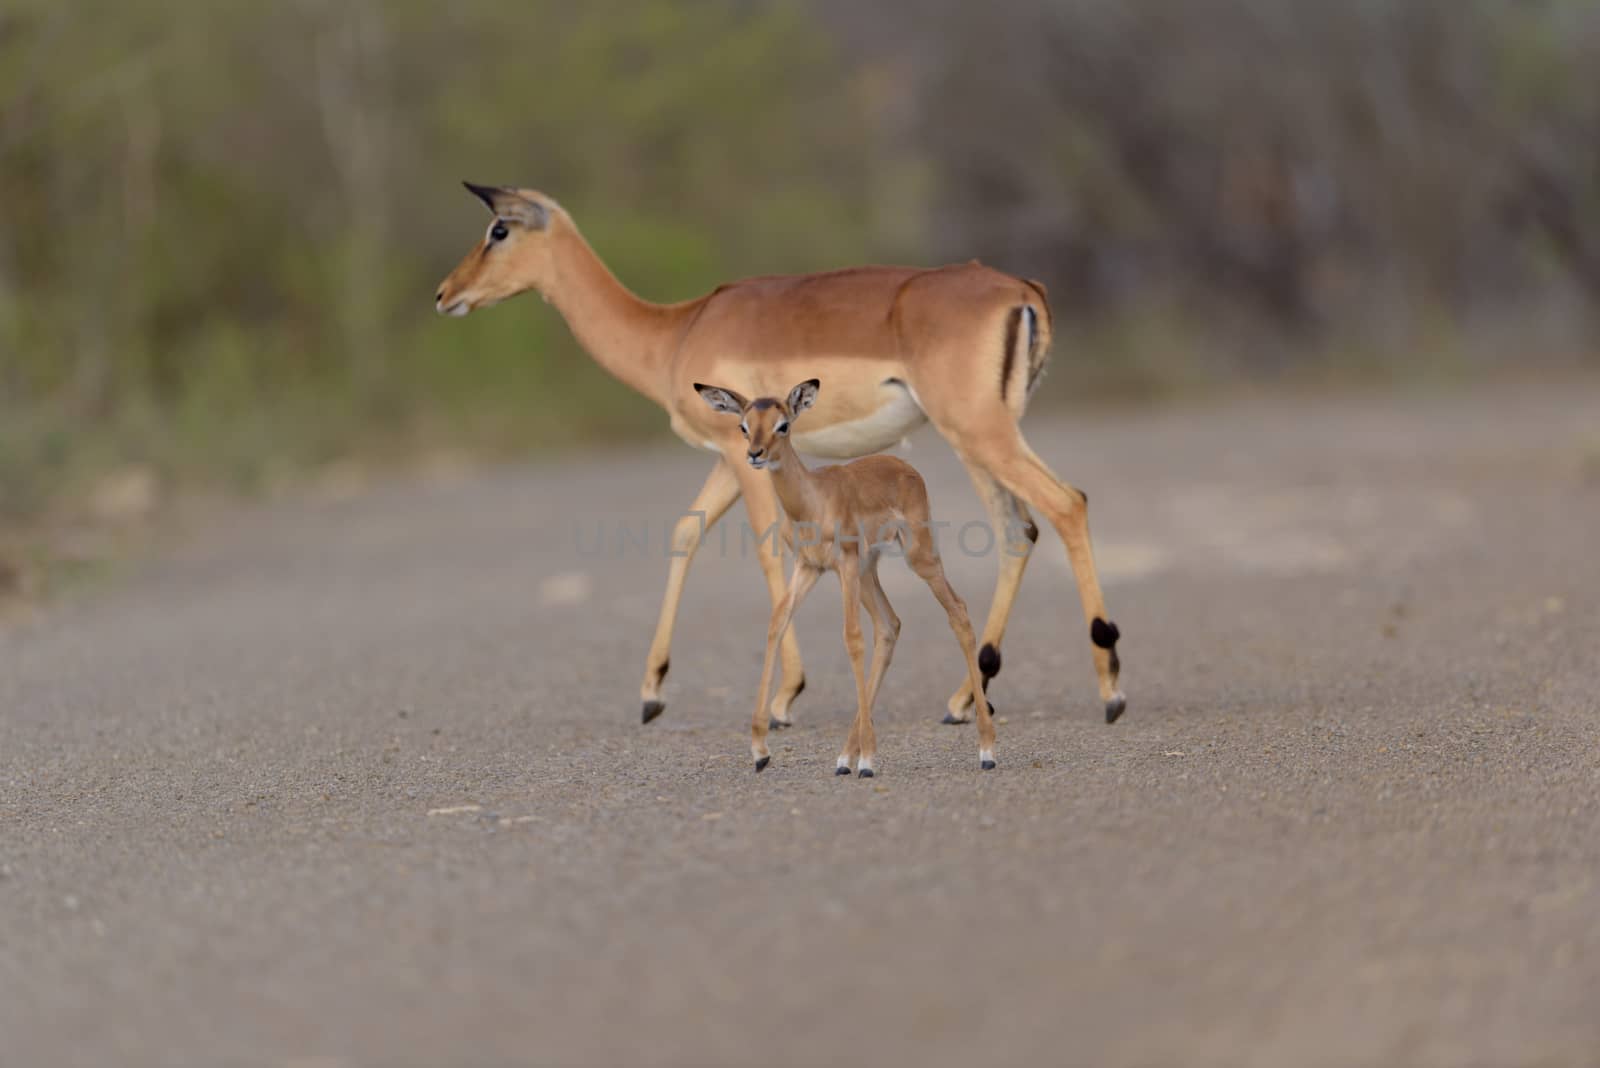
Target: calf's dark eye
499 232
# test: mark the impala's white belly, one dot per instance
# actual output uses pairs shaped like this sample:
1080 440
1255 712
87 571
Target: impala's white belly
886 425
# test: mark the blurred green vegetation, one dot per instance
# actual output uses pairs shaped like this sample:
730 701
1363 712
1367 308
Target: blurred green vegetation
221 224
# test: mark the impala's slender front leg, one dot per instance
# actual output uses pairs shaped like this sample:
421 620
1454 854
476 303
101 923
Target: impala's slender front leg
711 503
800 583
1014 536
764 532
862 745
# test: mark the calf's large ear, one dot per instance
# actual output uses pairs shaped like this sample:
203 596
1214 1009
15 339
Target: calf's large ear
721 400
803 396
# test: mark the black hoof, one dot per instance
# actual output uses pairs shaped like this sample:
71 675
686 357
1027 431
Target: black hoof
778 724
1114 708
842 769
950 719
652 709
763 762
986 765
866 773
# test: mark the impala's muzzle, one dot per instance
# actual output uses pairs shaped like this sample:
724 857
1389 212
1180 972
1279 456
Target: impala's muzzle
454 307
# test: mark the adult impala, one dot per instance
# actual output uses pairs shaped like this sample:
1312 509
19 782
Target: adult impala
961 346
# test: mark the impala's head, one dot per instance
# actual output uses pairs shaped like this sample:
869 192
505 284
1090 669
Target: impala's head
763 421
514 255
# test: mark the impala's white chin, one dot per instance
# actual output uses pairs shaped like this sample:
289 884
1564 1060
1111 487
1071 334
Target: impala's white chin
455 311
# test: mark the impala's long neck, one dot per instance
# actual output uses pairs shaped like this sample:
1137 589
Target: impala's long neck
626 335
796 487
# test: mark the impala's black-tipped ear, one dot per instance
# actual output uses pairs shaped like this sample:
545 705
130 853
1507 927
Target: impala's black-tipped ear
485 193
510 204
803 396
722 400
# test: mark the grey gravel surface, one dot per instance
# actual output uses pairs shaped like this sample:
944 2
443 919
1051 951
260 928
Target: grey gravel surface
361 781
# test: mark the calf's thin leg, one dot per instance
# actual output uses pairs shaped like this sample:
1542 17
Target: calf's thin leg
885 628
862 744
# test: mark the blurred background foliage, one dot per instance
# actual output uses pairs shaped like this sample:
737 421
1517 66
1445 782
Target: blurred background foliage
221 223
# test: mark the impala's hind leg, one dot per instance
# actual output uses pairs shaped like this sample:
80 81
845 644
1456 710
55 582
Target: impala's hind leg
1014 535
800 583
1005 455
923 557
711 504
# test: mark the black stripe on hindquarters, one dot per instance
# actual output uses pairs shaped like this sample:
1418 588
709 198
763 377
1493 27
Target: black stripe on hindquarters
1036 353
1013 324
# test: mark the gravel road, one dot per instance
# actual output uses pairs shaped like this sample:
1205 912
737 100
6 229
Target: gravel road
359 779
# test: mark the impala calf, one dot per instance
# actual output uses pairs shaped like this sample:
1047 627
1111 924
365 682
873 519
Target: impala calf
841 519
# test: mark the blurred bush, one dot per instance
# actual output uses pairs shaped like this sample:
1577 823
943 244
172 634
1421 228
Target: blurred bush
1360 173
221 223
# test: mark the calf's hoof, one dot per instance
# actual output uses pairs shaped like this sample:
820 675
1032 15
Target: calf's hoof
652 709
1115 706
763 762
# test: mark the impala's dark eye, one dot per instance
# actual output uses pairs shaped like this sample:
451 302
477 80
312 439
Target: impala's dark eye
783 428
744 428
498 232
